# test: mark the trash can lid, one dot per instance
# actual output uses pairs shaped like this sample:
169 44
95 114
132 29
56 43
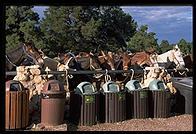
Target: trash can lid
53 87
133 85
85 88
157 85
13 85
111 86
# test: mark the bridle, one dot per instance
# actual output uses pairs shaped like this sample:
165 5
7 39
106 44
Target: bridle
10 61
26 53
30 56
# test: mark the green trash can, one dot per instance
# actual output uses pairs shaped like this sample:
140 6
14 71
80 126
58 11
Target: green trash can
159 99
84 105
137 100
112 103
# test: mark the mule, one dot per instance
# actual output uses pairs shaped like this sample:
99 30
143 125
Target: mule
17 56
79 62
106 61
145 58
123 62
188 60
171 59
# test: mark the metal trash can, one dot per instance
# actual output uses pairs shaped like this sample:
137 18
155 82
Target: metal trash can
184 96
84 102
159 99
52 103
16 105
137 100
112 103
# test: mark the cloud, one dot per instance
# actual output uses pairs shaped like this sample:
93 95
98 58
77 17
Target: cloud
160 13
165 21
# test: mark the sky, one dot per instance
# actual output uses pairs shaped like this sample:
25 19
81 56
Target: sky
171 23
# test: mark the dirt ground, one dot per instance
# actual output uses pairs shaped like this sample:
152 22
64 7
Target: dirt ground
174 123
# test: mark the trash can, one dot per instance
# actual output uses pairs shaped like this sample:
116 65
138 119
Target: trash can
16 105
159 99
137 100
52 103
84 102
184 95
112 103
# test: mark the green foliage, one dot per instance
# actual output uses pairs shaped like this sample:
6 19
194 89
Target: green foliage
85 28
81 28
164 47
185 47
20 26
142 40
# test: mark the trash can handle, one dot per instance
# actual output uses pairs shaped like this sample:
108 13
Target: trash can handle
20 86
45 96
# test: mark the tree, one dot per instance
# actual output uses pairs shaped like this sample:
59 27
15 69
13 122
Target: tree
142 40
186 48
85 28
164 47
21 26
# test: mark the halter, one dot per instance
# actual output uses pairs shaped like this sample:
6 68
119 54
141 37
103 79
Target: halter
73 56
28 55
10 61
77 64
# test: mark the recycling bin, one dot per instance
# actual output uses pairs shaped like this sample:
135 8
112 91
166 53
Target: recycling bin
112 103
16 105
52 103
159 99
84 102
137 100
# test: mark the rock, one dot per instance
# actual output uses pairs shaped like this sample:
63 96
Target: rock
32 126
37 79
35 71
31 77
22 77
40 126
20 69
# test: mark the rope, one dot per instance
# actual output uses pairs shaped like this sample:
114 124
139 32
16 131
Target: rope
66 78
132 73
184 72
107 77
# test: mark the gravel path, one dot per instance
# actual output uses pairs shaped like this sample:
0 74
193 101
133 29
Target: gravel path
175 123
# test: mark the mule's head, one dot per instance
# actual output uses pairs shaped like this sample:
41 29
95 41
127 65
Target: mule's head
108 58
126 60
178 60
94 62
34 52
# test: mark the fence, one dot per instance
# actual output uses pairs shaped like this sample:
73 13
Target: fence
99 71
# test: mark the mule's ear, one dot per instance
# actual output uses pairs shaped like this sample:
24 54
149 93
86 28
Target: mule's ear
91 54
103 53
110 54
121 54
40 50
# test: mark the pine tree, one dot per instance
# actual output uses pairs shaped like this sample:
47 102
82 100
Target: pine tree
21 26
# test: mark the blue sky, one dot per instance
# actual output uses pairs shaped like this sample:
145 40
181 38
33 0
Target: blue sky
170 23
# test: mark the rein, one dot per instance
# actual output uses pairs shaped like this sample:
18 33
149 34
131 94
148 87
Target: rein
118 64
